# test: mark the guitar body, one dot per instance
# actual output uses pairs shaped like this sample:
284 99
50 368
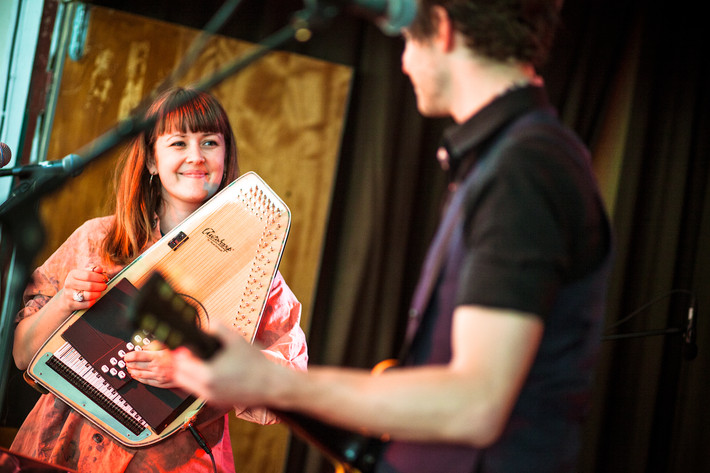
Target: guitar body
222 260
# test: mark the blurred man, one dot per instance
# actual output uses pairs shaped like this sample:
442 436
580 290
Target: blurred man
506 319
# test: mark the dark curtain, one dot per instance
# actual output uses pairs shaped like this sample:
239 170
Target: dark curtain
648 415
628 76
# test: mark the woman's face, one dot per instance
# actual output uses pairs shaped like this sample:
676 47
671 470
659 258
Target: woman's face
190 166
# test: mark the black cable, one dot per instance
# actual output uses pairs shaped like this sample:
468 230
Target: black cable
202 443
650 303
688 331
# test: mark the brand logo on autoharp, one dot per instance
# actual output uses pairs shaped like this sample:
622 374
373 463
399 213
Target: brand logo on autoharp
216 240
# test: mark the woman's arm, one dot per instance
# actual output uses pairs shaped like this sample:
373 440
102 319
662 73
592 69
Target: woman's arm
33 330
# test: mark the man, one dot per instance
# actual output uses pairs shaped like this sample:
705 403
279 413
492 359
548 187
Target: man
506 318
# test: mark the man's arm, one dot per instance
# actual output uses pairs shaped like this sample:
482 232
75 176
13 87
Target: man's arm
467 401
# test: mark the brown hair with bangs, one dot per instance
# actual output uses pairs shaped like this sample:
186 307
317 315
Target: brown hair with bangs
138 198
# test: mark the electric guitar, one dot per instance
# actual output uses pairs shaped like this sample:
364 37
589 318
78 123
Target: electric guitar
157 309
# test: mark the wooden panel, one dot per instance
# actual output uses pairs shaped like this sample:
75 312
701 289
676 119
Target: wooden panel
287 112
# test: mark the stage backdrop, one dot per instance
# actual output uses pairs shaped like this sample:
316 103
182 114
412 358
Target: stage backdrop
287 111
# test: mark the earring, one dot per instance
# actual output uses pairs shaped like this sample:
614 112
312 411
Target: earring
150 181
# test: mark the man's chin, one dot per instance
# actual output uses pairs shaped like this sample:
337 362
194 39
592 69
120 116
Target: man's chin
432 112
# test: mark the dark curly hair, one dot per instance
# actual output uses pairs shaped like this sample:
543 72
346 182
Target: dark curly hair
521 30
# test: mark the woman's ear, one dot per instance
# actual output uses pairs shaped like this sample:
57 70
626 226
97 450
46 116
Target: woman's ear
152 168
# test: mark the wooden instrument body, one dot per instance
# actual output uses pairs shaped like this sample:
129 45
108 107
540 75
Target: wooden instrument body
224 257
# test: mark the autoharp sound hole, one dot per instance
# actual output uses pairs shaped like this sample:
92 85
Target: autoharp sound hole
202 319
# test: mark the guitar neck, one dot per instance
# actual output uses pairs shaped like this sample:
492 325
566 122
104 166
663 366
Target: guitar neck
158 309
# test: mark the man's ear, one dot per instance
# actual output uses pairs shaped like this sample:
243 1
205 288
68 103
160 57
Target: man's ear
444 30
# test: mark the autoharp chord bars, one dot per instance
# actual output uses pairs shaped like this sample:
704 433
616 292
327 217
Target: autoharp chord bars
82 375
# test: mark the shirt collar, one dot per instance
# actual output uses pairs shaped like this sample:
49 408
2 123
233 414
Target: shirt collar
460 141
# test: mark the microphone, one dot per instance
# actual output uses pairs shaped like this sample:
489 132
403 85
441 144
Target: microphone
65 165
390 15
5 154
690 347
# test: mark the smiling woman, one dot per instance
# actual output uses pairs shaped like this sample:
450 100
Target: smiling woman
192 152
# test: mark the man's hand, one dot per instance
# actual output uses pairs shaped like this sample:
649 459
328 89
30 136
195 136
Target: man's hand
238 374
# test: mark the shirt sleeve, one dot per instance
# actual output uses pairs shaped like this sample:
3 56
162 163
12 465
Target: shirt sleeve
282 339
80 250
521 223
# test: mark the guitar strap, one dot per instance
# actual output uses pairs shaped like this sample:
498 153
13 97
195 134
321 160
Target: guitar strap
438 250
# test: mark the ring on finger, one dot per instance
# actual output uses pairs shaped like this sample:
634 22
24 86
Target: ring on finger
78 296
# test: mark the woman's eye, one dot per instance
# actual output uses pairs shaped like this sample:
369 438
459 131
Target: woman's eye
209 143
178 143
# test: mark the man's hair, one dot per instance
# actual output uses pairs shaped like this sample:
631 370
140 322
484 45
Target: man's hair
502 30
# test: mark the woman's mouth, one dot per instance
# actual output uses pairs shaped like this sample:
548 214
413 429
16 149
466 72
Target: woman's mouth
194 174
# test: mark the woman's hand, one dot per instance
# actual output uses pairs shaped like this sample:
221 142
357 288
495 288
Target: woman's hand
82 287
153 365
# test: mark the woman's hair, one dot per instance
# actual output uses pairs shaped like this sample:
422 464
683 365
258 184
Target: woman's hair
138 197
520 30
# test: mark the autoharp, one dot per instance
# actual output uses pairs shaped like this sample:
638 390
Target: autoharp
222 259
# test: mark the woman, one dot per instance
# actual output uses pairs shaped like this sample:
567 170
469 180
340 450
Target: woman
166 174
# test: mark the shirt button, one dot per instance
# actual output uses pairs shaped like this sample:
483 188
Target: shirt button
98 438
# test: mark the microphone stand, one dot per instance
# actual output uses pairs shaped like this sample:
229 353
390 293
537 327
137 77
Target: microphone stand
45 167
647 333
19 213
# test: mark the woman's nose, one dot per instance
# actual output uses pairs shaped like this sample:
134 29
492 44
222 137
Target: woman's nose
194 154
